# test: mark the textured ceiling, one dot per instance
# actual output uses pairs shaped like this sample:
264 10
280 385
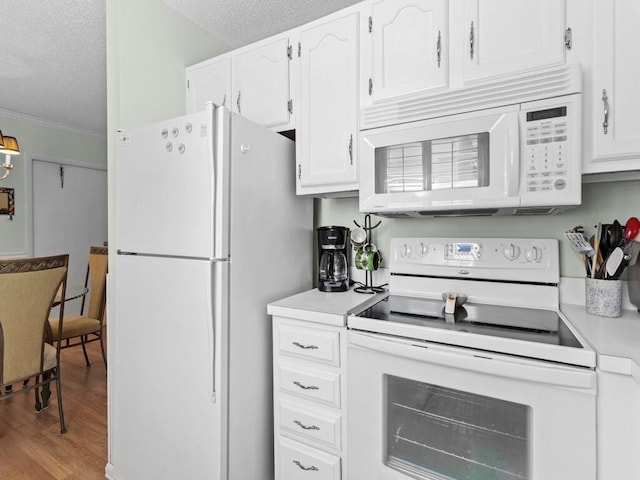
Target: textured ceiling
53 53
239 22
52 61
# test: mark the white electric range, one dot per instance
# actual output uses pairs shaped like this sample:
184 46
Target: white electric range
499 387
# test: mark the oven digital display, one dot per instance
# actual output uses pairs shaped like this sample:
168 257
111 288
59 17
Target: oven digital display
463 251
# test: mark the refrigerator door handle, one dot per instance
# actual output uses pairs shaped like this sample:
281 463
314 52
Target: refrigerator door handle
213 315
210 108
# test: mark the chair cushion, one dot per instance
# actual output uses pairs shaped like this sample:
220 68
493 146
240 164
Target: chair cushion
75 325
49 357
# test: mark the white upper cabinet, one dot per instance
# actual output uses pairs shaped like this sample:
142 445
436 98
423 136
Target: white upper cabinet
615 98
405 44
327 124
511 36
209 81
261 83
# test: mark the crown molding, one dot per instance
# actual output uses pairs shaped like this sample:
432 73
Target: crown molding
4 113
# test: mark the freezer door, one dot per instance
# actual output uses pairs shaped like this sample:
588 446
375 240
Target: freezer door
166 187
167 396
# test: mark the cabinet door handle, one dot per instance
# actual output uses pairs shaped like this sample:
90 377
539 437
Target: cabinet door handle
439 48
306 427
605 101
306 387
471 41
370 87
351 149
299 177
224 100
305 347
313 468
238 102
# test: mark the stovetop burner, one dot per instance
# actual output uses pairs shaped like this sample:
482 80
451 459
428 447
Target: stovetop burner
541 326
513 298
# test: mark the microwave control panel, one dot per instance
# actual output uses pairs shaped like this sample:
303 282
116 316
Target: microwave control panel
546 149
550 151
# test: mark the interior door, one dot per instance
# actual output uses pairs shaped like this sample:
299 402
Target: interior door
69 215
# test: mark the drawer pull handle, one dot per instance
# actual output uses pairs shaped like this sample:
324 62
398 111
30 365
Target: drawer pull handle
306 347
313 468
305 387
302 425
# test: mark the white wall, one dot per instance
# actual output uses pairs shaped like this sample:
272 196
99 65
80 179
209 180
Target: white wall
45 141
601 202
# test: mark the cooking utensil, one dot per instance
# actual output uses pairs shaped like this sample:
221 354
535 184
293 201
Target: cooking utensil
616 236
625 262
631 228
613 263
598 256
581 246
596 250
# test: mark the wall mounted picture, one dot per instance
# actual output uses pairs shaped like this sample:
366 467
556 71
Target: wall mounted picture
7 204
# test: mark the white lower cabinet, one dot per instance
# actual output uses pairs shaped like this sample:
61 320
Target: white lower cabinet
309 389
296 461
618 424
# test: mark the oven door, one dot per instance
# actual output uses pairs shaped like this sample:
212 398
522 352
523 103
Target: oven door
426 411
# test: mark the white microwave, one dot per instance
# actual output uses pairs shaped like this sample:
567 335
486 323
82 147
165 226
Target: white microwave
516 159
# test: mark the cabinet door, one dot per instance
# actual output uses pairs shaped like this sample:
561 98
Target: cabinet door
262 83
327 131
510 36
616 97
405 52
209 81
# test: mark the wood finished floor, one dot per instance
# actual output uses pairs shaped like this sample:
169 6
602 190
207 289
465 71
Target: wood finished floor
31 446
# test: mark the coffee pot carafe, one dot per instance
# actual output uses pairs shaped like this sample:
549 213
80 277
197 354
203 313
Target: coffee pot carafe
333 267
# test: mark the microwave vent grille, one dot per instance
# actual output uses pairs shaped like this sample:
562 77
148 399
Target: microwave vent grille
510 90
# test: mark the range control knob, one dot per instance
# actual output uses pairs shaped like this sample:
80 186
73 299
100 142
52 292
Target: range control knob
405 250
423 249
533 254
511 251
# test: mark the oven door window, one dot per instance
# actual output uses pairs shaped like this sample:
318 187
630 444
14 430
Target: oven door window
441 433
442 164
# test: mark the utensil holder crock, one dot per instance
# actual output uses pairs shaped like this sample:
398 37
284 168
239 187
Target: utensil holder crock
603 297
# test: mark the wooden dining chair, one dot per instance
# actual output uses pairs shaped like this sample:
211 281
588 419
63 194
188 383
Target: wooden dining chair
78 330
28 347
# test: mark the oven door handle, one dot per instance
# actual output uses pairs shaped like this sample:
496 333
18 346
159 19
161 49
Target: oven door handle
481 362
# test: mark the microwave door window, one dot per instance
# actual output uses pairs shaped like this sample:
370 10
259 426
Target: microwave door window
442 164
401 168
460 162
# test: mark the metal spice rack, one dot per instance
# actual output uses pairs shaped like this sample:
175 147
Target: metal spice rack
368 286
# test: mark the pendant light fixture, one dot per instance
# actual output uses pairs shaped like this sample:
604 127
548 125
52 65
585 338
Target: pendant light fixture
8 147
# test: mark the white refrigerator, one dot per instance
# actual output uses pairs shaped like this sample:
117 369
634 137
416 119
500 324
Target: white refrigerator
208 232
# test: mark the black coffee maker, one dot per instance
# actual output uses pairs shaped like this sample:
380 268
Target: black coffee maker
333 266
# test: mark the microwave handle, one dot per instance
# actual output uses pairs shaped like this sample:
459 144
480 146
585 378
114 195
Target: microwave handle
514 151
478 361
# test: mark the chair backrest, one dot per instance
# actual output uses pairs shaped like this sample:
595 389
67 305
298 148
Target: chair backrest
27 289
96 281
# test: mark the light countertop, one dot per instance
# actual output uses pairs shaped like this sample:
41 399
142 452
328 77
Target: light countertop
615 340
330 308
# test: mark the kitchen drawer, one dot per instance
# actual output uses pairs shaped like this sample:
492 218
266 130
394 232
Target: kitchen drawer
309 383
301 462
307 421
310 343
